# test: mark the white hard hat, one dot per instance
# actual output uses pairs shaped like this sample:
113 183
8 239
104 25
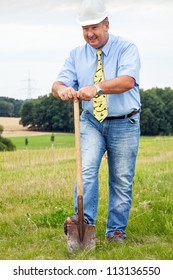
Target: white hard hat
91 12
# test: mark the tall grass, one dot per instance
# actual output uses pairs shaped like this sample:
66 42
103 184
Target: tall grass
36 195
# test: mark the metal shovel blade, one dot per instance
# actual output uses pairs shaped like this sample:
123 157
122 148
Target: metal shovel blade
73 239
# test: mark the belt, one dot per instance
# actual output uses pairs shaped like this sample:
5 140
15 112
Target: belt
124 116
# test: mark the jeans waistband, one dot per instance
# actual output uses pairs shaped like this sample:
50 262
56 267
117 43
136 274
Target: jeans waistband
123 116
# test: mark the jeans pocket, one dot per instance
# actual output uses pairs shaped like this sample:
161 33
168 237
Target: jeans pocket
134 119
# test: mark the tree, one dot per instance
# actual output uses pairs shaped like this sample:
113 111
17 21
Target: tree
10 107
52 139
153 114
6 109
149 125
49 114
5 144
26 113
26 142
1 129
166 96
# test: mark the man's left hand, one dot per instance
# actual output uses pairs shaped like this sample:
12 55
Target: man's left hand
87 93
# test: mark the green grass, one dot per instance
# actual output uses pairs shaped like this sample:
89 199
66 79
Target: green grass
44 141
36 195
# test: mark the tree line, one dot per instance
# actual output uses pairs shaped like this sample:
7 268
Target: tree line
49 114
10 107
157 111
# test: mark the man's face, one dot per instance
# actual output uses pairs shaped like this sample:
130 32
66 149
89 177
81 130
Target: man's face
96 35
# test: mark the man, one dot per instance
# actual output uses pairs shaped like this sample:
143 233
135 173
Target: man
110 117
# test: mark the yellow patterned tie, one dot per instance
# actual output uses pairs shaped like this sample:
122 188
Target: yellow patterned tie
99 102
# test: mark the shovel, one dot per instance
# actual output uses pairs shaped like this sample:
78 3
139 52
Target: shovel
79 236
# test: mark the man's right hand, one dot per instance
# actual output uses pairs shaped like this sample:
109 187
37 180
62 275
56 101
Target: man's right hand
59 90
67 93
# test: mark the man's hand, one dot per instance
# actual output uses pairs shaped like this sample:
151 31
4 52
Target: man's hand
67 93
87 93
59 90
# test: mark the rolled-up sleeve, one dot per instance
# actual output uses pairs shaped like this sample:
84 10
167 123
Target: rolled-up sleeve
67 74
129 62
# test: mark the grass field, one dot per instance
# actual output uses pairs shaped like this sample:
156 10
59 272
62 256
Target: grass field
44 141
36 195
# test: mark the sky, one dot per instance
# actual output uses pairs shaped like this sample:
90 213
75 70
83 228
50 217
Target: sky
36 37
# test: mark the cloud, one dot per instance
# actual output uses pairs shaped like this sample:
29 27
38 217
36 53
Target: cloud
58 11
34 11
37 35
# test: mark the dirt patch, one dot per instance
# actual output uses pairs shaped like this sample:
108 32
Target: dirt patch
12 128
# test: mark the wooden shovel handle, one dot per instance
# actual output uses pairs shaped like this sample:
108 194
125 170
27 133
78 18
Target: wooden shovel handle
79 171
78 149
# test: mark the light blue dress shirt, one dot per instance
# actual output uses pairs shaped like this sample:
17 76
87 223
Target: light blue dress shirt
120 57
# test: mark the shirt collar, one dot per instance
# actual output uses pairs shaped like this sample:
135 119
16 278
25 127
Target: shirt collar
105 48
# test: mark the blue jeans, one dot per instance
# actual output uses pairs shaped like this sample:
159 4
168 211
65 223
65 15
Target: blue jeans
120 138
